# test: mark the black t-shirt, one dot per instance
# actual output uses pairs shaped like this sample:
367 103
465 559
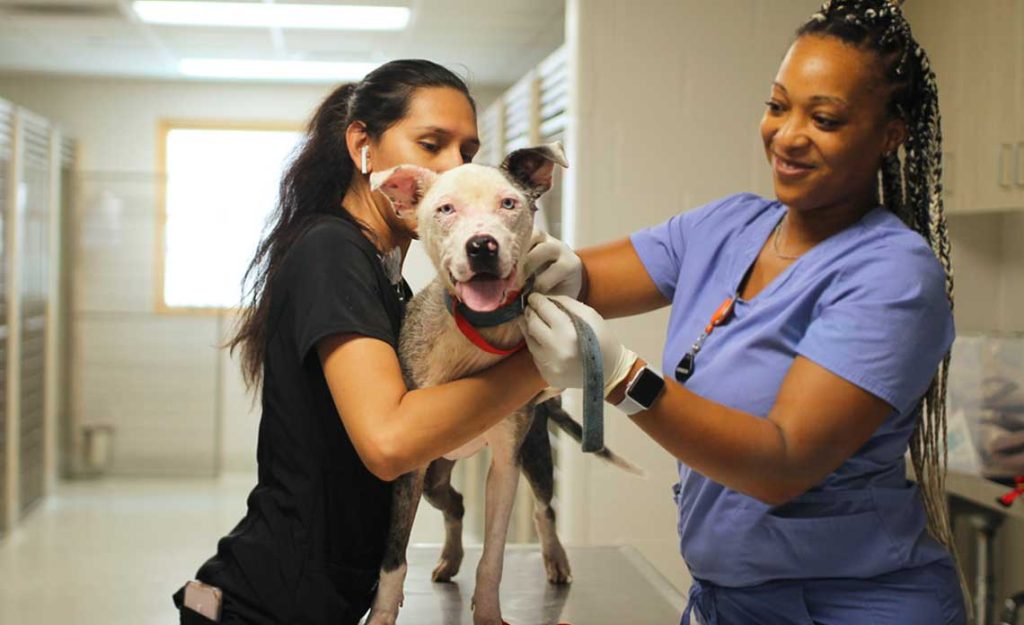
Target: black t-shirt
310 546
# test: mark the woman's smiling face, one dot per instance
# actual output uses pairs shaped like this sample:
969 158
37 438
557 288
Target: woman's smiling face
826 125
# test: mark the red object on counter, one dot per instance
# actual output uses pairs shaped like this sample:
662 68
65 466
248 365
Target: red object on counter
1018 491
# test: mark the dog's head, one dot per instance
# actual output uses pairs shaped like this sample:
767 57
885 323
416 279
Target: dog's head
475 221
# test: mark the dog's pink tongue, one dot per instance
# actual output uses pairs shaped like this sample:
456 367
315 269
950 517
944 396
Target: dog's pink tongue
482 294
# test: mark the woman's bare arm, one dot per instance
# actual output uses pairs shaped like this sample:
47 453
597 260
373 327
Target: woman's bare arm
395 430
818 421
617 284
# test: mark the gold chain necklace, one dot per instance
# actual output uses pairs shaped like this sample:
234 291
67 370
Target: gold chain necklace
775 242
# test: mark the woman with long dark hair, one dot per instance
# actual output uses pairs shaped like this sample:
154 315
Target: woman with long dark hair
319 339
806 349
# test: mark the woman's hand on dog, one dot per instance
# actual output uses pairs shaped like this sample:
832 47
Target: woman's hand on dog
551 338
556 269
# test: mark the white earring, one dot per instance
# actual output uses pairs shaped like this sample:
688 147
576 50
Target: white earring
362 159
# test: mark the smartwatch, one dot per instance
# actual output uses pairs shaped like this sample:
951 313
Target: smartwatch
642 391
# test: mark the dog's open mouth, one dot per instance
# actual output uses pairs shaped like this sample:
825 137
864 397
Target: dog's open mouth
485 292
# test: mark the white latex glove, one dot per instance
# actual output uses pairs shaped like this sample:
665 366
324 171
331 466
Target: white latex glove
551 338
557 269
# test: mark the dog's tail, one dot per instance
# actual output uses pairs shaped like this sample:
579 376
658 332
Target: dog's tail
561 418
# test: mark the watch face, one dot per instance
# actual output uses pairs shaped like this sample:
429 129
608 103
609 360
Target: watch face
646 387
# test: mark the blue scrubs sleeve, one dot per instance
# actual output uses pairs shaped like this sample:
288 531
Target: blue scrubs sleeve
884 325
661 249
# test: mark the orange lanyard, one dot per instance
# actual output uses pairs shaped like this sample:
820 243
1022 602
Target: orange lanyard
686 365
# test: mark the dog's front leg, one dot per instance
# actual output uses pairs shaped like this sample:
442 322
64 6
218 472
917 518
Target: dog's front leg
439 492
405 499
535 457
502 480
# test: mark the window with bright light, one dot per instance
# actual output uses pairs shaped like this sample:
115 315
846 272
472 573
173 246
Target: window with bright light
221 186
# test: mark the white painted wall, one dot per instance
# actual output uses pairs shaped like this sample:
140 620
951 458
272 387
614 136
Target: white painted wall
176 401
988 271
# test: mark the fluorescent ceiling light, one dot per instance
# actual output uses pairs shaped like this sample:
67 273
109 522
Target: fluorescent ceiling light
259 14
312 71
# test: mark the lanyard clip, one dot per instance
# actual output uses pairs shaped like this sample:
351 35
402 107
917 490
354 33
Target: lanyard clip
721 315
686 365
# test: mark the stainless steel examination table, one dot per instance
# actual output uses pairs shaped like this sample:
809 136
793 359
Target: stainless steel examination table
611 586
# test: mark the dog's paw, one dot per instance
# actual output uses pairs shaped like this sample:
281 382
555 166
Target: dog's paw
556 563
487 613
447 568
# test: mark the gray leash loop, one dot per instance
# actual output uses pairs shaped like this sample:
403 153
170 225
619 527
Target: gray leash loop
593 383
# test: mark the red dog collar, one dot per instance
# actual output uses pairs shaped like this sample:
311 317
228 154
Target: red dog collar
473 335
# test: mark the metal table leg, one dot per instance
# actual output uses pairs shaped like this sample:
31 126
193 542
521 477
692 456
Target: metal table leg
985 525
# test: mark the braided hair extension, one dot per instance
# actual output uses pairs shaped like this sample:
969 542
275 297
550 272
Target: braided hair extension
913 191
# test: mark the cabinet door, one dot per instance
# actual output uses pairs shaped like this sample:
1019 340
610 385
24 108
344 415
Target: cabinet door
1018 174
991 83
938 26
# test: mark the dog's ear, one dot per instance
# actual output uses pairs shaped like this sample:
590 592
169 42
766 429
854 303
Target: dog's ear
532 168
404 186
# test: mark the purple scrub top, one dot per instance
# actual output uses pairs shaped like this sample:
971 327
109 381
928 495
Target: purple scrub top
869 305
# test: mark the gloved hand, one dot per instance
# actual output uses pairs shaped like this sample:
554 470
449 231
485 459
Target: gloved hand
551 338
557 269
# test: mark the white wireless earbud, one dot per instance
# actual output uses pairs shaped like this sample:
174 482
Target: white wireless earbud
362 159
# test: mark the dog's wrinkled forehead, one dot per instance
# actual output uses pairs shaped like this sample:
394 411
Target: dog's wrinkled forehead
528 171
470 184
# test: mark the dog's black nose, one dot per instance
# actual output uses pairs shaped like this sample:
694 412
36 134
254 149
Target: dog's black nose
482 247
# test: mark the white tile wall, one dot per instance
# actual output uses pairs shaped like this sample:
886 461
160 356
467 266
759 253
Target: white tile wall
113 242
153 378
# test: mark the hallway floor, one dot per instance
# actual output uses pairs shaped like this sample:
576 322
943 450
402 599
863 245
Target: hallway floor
112 551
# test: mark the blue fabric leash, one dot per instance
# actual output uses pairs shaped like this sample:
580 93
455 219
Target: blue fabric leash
593 383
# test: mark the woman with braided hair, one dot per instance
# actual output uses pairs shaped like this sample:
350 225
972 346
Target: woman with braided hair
806 349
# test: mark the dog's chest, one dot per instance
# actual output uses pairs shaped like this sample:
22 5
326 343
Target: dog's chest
451 359
452 355
434 350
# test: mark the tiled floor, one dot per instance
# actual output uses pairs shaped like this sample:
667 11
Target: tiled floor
112 551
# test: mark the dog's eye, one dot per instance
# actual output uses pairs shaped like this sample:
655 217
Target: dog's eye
508 203
446 209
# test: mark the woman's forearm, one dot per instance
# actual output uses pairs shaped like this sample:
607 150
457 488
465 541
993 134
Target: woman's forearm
734 448
817 421
432 421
